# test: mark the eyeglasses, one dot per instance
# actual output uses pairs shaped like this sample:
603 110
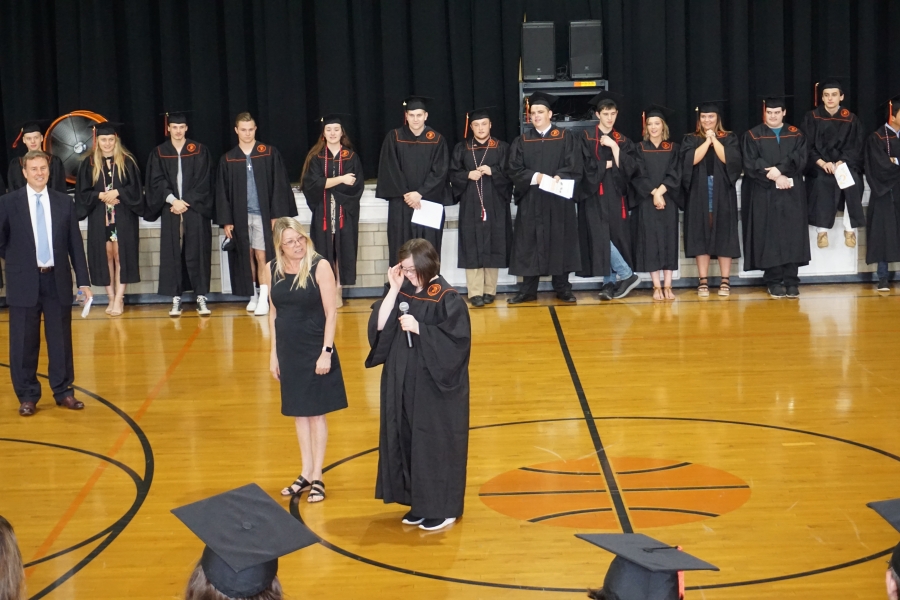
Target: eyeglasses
408 270
292 243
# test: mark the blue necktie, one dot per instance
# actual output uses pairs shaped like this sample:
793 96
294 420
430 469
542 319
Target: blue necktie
43 245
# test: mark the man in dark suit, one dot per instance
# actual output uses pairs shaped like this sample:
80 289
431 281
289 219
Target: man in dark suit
39 235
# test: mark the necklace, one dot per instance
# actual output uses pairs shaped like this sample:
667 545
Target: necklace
479 184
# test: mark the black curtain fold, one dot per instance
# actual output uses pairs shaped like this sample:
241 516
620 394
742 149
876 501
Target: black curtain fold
288 62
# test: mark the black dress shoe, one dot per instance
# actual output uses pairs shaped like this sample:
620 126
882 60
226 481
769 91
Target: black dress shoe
792 291
70 402
520 297
476 301
488 299
776 290
26 409
883 285
607 291
566 296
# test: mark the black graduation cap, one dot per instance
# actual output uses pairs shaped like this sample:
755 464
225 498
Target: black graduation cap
341 119
644 568
245 531
33 126
891 104
889 510
179 117
475 114
829 83
711 106
774 100
618 99
416 103
107 128
542 99
657 110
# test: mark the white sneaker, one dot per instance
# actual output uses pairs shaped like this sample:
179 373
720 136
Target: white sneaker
435 524
262 307
202 310
176 307
254 301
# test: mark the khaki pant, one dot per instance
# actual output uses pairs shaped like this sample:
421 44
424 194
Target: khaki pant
481 282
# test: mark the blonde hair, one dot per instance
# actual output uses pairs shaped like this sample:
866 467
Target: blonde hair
12 574
281 225
700 132
119 155
665 129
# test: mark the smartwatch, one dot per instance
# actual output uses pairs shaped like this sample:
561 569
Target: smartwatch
327 349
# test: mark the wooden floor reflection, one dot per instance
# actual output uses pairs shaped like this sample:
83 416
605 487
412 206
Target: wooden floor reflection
750 431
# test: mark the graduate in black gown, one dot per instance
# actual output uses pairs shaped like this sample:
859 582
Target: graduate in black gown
710 168
484 192
604 220
32 136
882 162
179 191
333 182
413 166
109 192
545 237
246 208
773 206
656 198
424 435
835 137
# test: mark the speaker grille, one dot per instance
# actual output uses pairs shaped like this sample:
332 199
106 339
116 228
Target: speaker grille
538 51
585 49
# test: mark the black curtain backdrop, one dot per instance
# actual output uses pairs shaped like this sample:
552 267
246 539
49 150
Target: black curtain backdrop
288 61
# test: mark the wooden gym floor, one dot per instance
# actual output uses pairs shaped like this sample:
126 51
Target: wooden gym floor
750 431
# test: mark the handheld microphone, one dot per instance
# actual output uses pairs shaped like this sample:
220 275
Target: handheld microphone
404 308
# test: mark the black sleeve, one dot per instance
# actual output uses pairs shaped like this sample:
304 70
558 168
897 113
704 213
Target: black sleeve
881 173
434 187
131 189
445 346
499 179
343 193
224 210
282 203
313 182
158 189
391 182
87 197
808 127
458 173
515 168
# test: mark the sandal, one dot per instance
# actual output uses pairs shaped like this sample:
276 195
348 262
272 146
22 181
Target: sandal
667 292
658 293
302 485
725 287
703 288
316 492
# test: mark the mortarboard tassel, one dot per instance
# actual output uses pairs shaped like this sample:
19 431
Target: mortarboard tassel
18 137
527 111
764 111
466 130
643 123
890 110
166 124
697 110
680 581
816 94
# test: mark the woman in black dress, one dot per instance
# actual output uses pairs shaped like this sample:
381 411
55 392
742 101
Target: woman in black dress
110 193
657 198
424 436
711 164
303 318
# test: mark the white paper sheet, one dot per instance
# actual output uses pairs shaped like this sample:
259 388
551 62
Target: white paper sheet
843 177
430 214
563 187
87 308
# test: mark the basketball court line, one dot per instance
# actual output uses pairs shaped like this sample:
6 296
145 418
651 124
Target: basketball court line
605 466
82 495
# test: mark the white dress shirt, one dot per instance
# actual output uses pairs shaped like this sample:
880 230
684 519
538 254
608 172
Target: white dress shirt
171 198
32 208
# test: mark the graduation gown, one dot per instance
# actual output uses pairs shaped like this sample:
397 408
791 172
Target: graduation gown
721 238
883 216
335 236
128 213
195 244
546 229
276 199
410 163
775 221
656 231
603 214
485 224
424 433
833 138
56 182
